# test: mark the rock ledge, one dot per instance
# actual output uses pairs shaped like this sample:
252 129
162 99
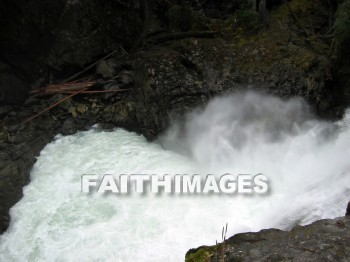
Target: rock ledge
323 240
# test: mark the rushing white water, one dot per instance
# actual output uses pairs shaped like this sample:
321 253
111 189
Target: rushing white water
306 161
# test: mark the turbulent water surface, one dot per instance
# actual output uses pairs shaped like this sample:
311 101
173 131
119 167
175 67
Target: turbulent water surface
306 161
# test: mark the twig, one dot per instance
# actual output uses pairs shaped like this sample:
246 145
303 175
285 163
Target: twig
180 35
223 245
89 91
52 106
331 28
312 27
332 44
90 66
327 36
71 86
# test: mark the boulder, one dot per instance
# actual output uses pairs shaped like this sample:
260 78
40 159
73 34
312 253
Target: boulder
68 127
323 240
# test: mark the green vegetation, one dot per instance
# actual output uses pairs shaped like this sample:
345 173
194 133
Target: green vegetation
247 19
180 18
342 27
201 255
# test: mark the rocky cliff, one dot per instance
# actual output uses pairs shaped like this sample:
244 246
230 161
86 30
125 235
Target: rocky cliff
323 240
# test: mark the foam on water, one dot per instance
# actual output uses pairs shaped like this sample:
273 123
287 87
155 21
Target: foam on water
306 161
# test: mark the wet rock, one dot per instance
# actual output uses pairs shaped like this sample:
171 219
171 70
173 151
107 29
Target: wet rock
56 98
72 110
31 100
18 151
13 128
19 138
323 240
110 86
81 108
106 126
12 88
126 79
68 127
104 69
109 67
16 162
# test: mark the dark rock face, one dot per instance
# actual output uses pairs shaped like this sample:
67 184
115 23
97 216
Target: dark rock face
342 41
348 210
16 161
68 127
324 240
26 36
88 28
60 37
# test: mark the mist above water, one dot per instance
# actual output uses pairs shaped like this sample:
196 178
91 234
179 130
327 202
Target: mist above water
306 161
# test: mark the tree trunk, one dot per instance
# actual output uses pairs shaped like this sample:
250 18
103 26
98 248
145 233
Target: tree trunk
263 15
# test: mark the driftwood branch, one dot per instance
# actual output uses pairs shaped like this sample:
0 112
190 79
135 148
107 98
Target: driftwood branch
72 93
65 87
69 87
89 91
52 106
327 36
93 64
180 35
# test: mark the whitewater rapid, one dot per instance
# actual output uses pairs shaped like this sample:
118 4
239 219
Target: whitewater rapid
305 160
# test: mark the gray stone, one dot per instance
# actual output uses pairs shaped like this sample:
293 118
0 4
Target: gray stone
68 127
323 240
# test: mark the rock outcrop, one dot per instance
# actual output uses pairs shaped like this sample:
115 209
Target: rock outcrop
323 240
56 38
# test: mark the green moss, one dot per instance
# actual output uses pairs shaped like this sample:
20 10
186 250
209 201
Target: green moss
201 255
301 8
342 27
242 21
247 19
304 60
302 5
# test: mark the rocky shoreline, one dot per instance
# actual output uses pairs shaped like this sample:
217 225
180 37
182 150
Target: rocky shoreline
169 75
323 240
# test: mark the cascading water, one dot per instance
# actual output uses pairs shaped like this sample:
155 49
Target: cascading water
306 161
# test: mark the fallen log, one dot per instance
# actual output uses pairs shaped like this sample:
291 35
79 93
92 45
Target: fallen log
93 64
89 91
65 87
71 86
73 93
52 106
157 39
